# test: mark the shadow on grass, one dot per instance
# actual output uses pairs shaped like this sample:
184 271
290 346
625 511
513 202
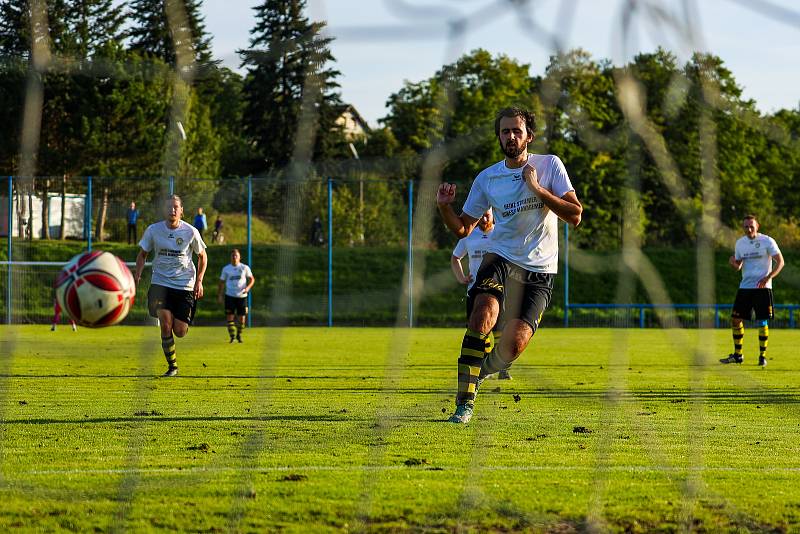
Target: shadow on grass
161 419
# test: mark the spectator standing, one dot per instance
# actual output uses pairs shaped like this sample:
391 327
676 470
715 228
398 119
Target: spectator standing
217 229
132 216
200 221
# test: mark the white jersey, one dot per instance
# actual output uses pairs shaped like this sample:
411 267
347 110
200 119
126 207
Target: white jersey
757 256
173 247
526 231
235 278
474 246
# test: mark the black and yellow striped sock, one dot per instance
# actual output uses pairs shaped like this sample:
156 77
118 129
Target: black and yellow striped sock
763 339
474 348
738 337
239 328
168 345
493 363
231 329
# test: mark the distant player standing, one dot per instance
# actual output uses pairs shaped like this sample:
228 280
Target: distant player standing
528 194
175 284
753 255
474 247
235 281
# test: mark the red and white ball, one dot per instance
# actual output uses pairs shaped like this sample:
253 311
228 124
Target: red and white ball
96 289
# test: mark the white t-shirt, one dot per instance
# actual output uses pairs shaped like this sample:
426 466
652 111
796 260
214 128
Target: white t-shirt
474 246
757 255
235 278
526 231
173 247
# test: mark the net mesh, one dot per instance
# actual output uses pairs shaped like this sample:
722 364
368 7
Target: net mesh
290 221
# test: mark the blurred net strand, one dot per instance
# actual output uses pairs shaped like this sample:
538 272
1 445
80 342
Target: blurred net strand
432 168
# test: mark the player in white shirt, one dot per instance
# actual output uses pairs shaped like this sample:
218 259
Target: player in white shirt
528 194
175 285
235 283
754 255
474 247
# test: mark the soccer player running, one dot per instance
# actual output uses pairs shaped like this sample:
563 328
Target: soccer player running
528 194
175 284
754 254
474 247
236 281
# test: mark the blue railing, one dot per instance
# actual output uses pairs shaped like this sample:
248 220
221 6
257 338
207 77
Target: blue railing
643 309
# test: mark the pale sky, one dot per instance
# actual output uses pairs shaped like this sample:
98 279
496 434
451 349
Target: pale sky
381 43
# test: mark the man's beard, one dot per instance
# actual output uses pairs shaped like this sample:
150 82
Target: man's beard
513 151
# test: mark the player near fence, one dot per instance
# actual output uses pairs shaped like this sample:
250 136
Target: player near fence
474 247
528 194
235 283
754 255
175 284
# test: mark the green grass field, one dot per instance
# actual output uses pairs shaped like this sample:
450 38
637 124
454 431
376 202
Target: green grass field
312 429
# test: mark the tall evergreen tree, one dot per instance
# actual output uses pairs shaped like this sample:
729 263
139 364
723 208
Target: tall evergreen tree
154 34
288 60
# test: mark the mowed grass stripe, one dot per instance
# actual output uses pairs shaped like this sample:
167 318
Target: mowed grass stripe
651 422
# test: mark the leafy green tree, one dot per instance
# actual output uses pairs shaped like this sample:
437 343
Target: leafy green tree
456 108
289 61
779 162
581 123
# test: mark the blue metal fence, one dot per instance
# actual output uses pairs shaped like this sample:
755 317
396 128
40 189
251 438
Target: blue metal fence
644 315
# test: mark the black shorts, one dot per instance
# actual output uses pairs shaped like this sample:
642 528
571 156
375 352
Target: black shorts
523 294
235 305
180 302
757 300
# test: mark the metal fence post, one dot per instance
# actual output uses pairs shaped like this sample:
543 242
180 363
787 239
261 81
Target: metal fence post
410 254
566 275
9 280
641 316
171 185
330 252
88 213
249 244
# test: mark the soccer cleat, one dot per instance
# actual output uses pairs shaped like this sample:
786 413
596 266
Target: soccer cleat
74 328
462 414
732 358
53 328
762 361
239 339
172 371
503 374
231 341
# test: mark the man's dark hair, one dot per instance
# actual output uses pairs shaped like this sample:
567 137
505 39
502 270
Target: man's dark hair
173 197
527 116
750 216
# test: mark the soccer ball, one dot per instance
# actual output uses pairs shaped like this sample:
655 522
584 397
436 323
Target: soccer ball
96 289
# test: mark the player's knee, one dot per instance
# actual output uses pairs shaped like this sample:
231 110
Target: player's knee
515 340
180 329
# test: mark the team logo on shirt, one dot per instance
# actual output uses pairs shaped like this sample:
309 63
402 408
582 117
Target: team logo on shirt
758 245
179 241
517 177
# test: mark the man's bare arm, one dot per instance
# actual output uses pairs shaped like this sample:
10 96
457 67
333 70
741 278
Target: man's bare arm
140 259
461 225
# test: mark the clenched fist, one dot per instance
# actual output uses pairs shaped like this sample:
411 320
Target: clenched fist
446 193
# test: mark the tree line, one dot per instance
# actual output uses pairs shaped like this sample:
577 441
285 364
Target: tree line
656 149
